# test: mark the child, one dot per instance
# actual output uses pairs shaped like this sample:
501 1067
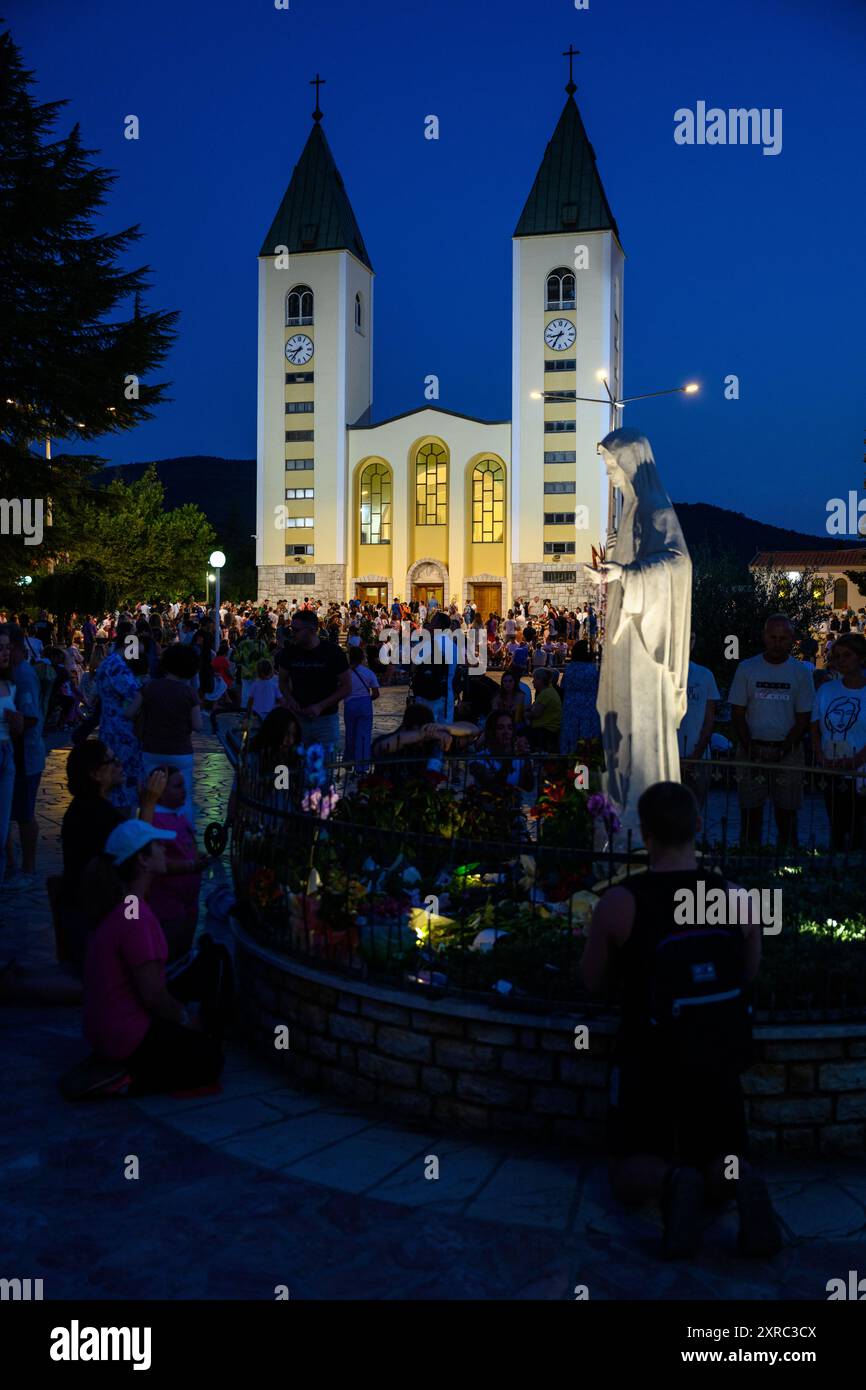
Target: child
174 896
265 689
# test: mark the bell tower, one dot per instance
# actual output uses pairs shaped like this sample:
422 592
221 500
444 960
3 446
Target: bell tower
315 366
566 335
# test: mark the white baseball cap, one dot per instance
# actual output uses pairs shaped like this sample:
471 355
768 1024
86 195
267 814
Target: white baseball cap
131 836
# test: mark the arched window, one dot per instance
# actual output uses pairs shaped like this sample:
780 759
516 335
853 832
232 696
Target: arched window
376 505
488 501
560 289
431 485
299 306
840 593
359 314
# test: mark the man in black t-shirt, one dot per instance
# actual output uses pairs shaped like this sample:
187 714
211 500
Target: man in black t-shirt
314 678
677 1118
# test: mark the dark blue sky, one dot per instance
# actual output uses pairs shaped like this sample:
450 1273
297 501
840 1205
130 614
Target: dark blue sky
737 262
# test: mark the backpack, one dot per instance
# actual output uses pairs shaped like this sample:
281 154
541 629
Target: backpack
699 1006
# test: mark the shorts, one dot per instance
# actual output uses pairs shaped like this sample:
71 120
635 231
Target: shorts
781 781
693 1118
24 798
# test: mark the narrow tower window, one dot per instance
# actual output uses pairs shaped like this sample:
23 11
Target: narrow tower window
560 289
299 306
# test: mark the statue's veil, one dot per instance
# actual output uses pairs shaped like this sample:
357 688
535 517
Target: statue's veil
649 540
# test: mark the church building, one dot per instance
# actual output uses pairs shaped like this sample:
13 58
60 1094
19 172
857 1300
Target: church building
431 503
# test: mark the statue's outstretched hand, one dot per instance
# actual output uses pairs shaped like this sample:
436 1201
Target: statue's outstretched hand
608 569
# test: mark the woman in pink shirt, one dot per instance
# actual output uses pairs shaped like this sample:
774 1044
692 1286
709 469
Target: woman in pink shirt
175 893
129 1015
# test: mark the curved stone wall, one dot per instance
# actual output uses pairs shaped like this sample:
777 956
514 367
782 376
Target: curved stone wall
464 1065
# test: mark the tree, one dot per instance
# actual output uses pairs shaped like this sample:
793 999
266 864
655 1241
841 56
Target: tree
731 601
858 579
75 343
138 549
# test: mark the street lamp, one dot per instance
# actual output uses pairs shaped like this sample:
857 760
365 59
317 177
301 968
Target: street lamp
217 560
615 405
564 396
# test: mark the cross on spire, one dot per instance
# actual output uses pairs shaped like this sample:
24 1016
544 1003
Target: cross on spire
317 82
571 54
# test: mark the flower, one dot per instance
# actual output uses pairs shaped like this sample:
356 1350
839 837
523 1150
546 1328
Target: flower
582 906
601 807
320 803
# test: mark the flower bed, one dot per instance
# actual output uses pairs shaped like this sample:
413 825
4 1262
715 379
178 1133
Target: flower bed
422 939
411 877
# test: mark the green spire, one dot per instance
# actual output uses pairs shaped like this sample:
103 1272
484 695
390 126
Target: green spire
315 214
567 195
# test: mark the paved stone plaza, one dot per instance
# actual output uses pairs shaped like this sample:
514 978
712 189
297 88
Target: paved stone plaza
264 1184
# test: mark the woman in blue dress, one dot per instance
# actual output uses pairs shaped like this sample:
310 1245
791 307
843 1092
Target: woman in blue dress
579 689
118 688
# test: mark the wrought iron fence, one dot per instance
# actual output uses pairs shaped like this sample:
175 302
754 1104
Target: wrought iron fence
410 871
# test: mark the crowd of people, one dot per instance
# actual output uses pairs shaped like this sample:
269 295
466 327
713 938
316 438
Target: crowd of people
132 688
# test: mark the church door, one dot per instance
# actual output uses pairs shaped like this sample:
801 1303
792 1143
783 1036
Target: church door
487 599
372 593
423 593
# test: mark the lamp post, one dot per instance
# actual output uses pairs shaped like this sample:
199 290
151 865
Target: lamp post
563 396
217 560
616 406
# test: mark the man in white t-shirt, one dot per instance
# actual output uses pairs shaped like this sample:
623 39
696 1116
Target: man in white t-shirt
771 700
696 727
839 742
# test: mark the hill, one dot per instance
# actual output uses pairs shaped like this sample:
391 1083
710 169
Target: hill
225 489
703 523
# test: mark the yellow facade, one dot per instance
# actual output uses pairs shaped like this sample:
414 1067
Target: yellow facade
431 499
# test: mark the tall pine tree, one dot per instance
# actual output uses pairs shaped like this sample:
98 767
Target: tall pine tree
76 347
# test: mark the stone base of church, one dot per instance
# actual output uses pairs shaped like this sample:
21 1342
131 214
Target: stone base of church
272 584
329 583
527 581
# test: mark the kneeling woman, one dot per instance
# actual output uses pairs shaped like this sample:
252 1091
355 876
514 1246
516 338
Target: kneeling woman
129 1015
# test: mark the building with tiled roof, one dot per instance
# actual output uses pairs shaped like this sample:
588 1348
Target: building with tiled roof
831 566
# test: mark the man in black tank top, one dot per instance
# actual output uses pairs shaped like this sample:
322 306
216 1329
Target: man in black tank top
677 1127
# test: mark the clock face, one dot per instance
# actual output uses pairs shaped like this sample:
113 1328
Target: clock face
299 349
559 334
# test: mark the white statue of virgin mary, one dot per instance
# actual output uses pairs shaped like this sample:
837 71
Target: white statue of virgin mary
645 660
